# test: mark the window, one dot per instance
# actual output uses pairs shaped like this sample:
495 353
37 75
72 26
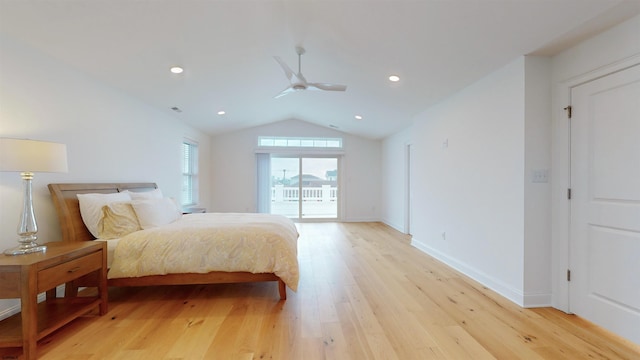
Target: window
277 141
304 187
298 177
189 173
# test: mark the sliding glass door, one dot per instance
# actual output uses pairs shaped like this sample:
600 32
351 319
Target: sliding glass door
285 199
304 187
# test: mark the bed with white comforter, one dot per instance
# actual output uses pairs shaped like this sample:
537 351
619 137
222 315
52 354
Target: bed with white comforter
150 242
200 243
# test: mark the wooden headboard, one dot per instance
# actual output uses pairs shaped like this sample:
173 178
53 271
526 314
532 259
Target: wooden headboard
68 208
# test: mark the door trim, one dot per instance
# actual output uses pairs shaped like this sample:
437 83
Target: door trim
561 181
408 148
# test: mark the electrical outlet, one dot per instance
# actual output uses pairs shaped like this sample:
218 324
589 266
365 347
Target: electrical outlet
444 235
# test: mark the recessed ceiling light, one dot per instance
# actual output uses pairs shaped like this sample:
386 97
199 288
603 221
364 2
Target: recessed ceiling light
394 78
176 70
221 112
358 117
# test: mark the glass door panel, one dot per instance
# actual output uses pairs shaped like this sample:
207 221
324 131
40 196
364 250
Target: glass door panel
285 194
319 188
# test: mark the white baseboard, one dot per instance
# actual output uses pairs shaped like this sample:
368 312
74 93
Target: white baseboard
361 220
512 294
394 226
12 310
9 311
537 300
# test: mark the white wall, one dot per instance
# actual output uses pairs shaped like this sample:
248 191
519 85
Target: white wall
110 137
607 52
394 180
537 192
468 177
233 166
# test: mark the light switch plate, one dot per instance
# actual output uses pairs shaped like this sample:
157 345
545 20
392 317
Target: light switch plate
540 176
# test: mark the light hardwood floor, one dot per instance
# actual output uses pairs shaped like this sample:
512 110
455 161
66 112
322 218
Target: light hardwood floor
364 293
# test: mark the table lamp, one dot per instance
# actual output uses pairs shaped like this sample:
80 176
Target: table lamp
27 157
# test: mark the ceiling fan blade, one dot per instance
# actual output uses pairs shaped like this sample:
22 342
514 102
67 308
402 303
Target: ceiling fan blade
284 92
328 87
287 70
297 80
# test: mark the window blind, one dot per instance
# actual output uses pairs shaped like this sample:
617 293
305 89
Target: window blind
189 173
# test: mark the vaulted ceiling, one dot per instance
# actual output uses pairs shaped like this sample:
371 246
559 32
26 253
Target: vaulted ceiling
436 47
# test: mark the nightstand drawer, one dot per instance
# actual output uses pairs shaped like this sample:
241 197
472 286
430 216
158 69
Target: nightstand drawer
67 271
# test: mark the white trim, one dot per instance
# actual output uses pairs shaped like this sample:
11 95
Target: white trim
407 187
562 179
492 283
386 222
361 219
537 300
301 151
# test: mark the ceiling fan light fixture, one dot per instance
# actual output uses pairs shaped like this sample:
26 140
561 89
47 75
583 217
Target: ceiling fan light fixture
394 78
176 69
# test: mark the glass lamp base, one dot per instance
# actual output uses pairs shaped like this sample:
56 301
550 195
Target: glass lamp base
26 249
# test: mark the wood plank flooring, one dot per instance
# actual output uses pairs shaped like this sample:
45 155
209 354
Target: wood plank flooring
364 293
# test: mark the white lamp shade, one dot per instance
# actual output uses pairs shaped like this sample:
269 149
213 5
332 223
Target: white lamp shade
20 155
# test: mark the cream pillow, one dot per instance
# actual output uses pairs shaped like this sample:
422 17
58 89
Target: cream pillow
144 195
91 208
156 212
118 219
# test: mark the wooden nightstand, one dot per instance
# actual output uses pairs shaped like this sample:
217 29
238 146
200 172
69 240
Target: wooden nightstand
25 276
193 210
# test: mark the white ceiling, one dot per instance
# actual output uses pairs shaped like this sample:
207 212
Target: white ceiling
437 47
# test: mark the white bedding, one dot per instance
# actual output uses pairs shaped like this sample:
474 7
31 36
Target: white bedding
111 248
200 243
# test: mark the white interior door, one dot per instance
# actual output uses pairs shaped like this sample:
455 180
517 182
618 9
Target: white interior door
605 205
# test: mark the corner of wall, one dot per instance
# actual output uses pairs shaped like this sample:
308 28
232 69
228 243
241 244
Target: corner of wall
537 168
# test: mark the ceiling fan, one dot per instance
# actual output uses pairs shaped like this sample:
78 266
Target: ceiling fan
298 82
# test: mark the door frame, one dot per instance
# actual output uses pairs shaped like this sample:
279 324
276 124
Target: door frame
561 180
408 158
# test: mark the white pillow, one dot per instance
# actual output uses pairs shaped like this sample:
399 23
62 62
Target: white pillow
118 219
91 208
144 195
156 212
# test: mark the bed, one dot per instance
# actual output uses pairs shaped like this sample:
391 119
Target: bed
73 227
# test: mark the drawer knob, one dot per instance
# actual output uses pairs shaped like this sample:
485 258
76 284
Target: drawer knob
74 269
